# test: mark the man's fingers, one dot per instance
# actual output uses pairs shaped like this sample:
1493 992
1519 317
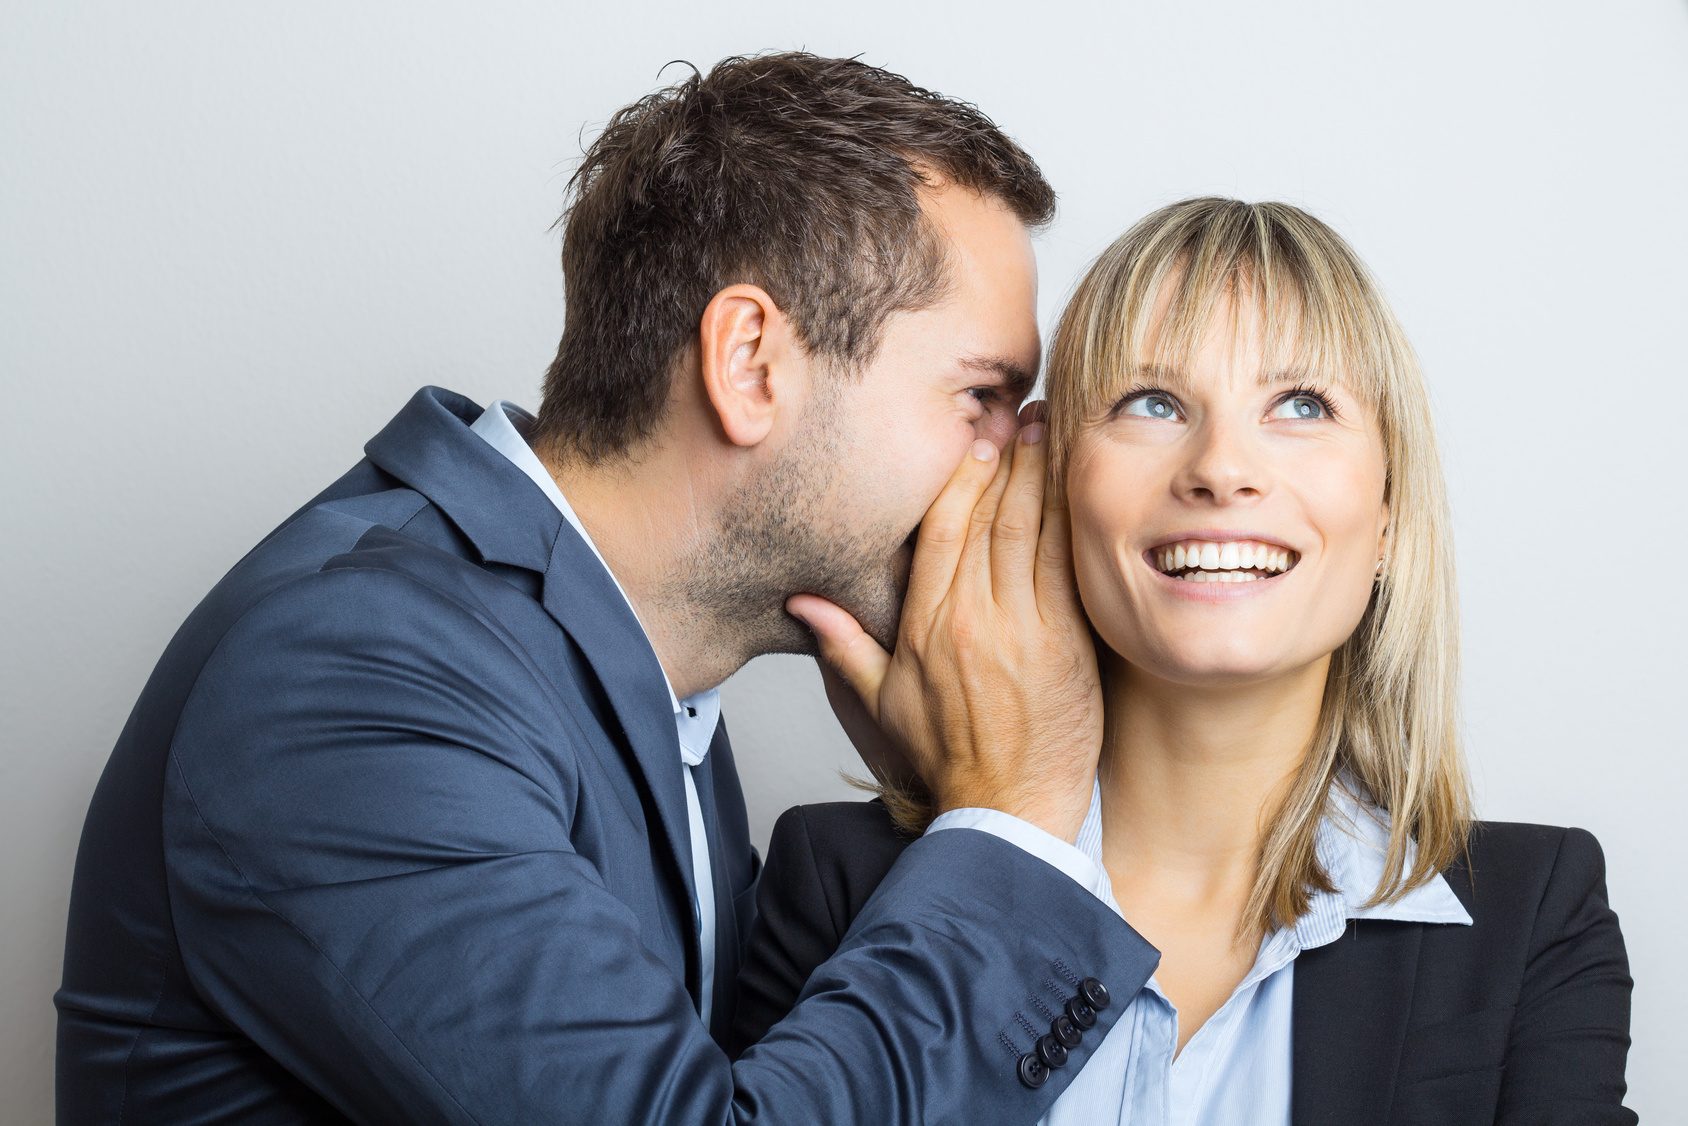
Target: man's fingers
943 533
844 645
974 571
1055 583
1014 537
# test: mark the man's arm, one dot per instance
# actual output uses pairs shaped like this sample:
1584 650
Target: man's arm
371 875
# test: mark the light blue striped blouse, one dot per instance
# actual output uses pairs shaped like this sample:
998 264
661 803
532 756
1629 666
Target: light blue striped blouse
1236 1069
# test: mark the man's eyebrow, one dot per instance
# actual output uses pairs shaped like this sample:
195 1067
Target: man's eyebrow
1015 378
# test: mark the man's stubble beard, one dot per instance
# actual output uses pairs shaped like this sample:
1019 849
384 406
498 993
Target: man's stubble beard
776 538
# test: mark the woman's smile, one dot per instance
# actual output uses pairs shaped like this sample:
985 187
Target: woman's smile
1213 558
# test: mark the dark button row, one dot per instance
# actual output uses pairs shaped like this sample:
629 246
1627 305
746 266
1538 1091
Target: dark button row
1066 1032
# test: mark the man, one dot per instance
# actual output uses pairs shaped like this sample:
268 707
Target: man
427 814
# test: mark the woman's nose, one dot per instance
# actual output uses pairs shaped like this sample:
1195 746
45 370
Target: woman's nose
1223 469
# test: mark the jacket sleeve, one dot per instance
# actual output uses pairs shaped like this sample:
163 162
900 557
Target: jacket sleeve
1570 1033
367 835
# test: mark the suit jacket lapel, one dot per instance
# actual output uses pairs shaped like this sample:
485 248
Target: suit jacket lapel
1353 998
585 601
727 937
430 447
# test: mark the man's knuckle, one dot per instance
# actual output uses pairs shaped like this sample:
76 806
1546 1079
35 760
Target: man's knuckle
1015 526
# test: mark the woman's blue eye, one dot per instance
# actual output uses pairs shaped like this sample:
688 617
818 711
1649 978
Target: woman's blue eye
1301 407
1151 406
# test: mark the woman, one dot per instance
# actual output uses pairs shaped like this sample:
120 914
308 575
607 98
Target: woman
1260 539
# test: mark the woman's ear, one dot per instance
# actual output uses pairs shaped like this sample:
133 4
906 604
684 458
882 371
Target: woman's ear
1385 541
744 352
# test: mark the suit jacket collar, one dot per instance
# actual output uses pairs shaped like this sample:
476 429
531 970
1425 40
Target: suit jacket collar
509 520
430 447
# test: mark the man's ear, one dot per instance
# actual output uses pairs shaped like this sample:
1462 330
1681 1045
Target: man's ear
746 357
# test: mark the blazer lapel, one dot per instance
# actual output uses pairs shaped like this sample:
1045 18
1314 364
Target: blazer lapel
727 937
1352 1001
430 447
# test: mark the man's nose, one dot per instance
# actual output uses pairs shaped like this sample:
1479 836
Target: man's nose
999 427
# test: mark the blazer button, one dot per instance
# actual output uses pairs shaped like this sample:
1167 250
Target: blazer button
1082 1014
1095 994
1064 1030
1033 1073
1051 1052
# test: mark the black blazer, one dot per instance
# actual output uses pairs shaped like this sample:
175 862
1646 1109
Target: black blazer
1520 1018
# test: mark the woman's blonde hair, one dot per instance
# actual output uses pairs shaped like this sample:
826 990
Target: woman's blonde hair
1389 722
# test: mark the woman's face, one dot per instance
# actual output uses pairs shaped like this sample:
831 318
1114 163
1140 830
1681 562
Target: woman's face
1228 519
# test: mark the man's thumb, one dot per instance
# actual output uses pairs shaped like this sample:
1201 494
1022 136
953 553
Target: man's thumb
844 645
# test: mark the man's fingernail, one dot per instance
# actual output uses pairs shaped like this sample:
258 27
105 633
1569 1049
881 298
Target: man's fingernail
1033 434
984 450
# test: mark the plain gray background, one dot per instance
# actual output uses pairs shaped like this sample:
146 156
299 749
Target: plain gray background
234 239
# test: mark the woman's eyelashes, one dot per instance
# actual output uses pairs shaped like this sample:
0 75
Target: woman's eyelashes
1149 403
1304 404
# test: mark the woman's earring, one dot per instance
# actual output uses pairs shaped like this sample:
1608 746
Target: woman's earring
1379 572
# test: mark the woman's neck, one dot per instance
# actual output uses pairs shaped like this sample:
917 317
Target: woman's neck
1190 775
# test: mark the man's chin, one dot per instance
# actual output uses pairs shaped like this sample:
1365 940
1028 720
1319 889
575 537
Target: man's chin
792 636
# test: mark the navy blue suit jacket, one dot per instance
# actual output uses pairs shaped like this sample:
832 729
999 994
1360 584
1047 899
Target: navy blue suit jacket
396 833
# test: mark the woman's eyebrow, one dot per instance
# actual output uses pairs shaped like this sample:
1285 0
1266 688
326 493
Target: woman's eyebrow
1162 376
1272 376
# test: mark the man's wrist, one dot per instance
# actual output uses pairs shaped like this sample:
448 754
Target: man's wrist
1060 854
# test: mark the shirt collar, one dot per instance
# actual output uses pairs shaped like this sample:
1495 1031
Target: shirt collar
1352 843
504 427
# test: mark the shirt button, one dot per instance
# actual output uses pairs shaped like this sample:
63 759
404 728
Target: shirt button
1033 1073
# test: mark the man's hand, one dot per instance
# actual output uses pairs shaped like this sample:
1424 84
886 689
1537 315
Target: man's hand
992 695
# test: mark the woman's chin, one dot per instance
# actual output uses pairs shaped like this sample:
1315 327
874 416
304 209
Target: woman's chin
1215 666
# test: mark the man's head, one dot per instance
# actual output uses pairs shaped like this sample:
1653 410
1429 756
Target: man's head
812 281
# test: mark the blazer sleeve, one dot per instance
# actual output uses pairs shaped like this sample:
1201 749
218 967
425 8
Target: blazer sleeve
1570 1033
367 834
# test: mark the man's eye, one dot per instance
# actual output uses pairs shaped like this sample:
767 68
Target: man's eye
1302 407
1151 406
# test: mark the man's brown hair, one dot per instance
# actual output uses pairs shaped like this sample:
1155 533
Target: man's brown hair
795 173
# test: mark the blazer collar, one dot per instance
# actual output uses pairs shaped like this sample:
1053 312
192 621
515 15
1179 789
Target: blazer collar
430 447
509 520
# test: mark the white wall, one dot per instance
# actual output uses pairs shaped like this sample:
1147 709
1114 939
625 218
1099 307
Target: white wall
234 238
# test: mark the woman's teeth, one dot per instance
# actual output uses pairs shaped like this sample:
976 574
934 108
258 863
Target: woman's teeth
1238 561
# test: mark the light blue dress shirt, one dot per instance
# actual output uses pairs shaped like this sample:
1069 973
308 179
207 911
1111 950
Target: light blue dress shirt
504 427
1236 1069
